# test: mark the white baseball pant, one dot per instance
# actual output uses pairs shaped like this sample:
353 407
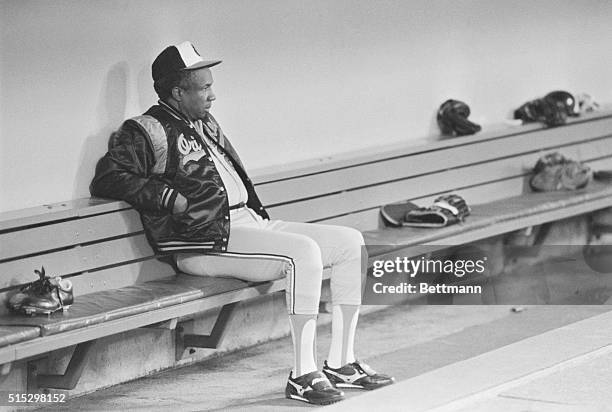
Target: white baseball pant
263 250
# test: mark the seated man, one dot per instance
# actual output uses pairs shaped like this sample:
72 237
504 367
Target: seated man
179 170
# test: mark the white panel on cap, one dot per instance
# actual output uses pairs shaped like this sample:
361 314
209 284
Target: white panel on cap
188 54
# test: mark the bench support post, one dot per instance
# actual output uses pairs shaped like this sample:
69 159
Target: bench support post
71 376
210 341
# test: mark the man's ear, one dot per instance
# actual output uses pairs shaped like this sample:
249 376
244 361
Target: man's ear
177 93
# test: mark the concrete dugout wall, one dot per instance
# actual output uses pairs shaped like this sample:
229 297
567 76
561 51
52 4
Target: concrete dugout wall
299 80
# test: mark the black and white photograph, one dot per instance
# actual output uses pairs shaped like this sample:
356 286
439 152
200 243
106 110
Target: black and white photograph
288 205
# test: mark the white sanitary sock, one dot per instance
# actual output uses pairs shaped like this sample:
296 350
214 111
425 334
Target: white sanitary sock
344 324
303 333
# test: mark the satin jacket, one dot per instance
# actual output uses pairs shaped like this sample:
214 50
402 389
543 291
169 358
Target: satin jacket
151 159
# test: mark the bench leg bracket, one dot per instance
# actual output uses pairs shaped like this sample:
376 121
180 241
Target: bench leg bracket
71 376
210 341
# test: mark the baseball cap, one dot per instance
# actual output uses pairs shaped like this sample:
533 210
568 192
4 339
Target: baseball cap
183 56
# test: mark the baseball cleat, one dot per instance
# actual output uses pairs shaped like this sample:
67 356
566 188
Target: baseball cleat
35 287
313 388
356 375
44 296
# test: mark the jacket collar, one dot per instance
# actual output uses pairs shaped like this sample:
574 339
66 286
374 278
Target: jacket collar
173 112
197 125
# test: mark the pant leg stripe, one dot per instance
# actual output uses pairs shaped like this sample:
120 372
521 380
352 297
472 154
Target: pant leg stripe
286 259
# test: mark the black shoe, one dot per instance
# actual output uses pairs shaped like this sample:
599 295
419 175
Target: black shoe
44 296
356 375
313 388
37 287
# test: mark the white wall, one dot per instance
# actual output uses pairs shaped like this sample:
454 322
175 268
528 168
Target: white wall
300 79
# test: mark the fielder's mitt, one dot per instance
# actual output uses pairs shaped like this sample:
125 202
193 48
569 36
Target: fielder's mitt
551 159
586 103
555 172
564 101
452 119
548 111
393 214
446 210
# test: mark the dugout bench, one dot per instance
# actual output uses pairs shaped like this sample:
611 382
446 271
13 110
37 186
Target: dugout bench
121 285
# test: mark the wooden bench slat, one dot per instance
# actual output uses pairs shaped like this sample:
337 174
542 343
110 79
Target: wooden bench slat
428 162
125 302
58 341
10 335
324 164
498 217
498 228
74 260
16 219
369 219
111 278
56 236
369 197
492 131
121 276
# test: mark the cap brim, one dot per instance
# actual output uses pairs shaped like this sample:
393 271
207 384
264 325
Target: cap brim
203 64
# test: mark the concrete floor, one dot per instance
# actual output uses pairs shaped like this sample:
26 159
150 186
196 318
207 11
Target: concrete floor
582 388
568 367
405 341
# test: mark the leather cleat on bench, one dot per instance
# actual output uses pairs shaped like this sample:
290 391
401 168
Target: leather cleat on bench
44 296
36 287
313 388
356 375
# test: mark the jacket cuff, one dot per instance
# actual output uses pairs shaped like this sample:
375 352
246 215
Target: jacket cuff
168 197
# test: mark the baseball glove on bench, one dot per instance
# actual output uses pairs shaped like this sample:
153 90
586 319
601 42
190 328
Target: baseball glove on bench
453 120
446 210
555 172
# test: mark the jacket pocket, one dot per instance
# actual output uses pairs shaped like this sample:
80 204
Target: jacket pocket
182 221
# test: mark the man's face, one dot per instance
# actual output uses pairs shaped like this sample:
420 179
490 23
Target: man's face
197 95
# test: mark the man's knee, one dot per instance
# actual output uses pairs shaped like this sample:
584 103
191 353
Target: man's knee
355 236
307 256
353 243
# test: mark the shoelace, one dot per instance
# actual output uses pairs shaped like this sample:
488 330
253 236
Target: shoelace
364 368
43 285
38 286
58 290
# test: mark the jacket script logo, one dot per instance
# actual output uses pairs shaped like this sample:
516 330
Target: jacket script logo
190 149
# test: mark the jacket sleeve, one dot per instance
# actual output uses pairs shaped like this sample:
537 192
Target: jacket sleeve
124 172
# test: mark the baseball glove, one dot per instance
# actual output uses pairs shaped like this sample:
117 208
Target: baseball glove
452 119
586 103
446 210
565 101
551 159
548 111
393 214
555 172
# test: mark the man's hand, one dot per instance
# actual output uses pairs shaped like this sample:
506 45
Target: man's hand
180 204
